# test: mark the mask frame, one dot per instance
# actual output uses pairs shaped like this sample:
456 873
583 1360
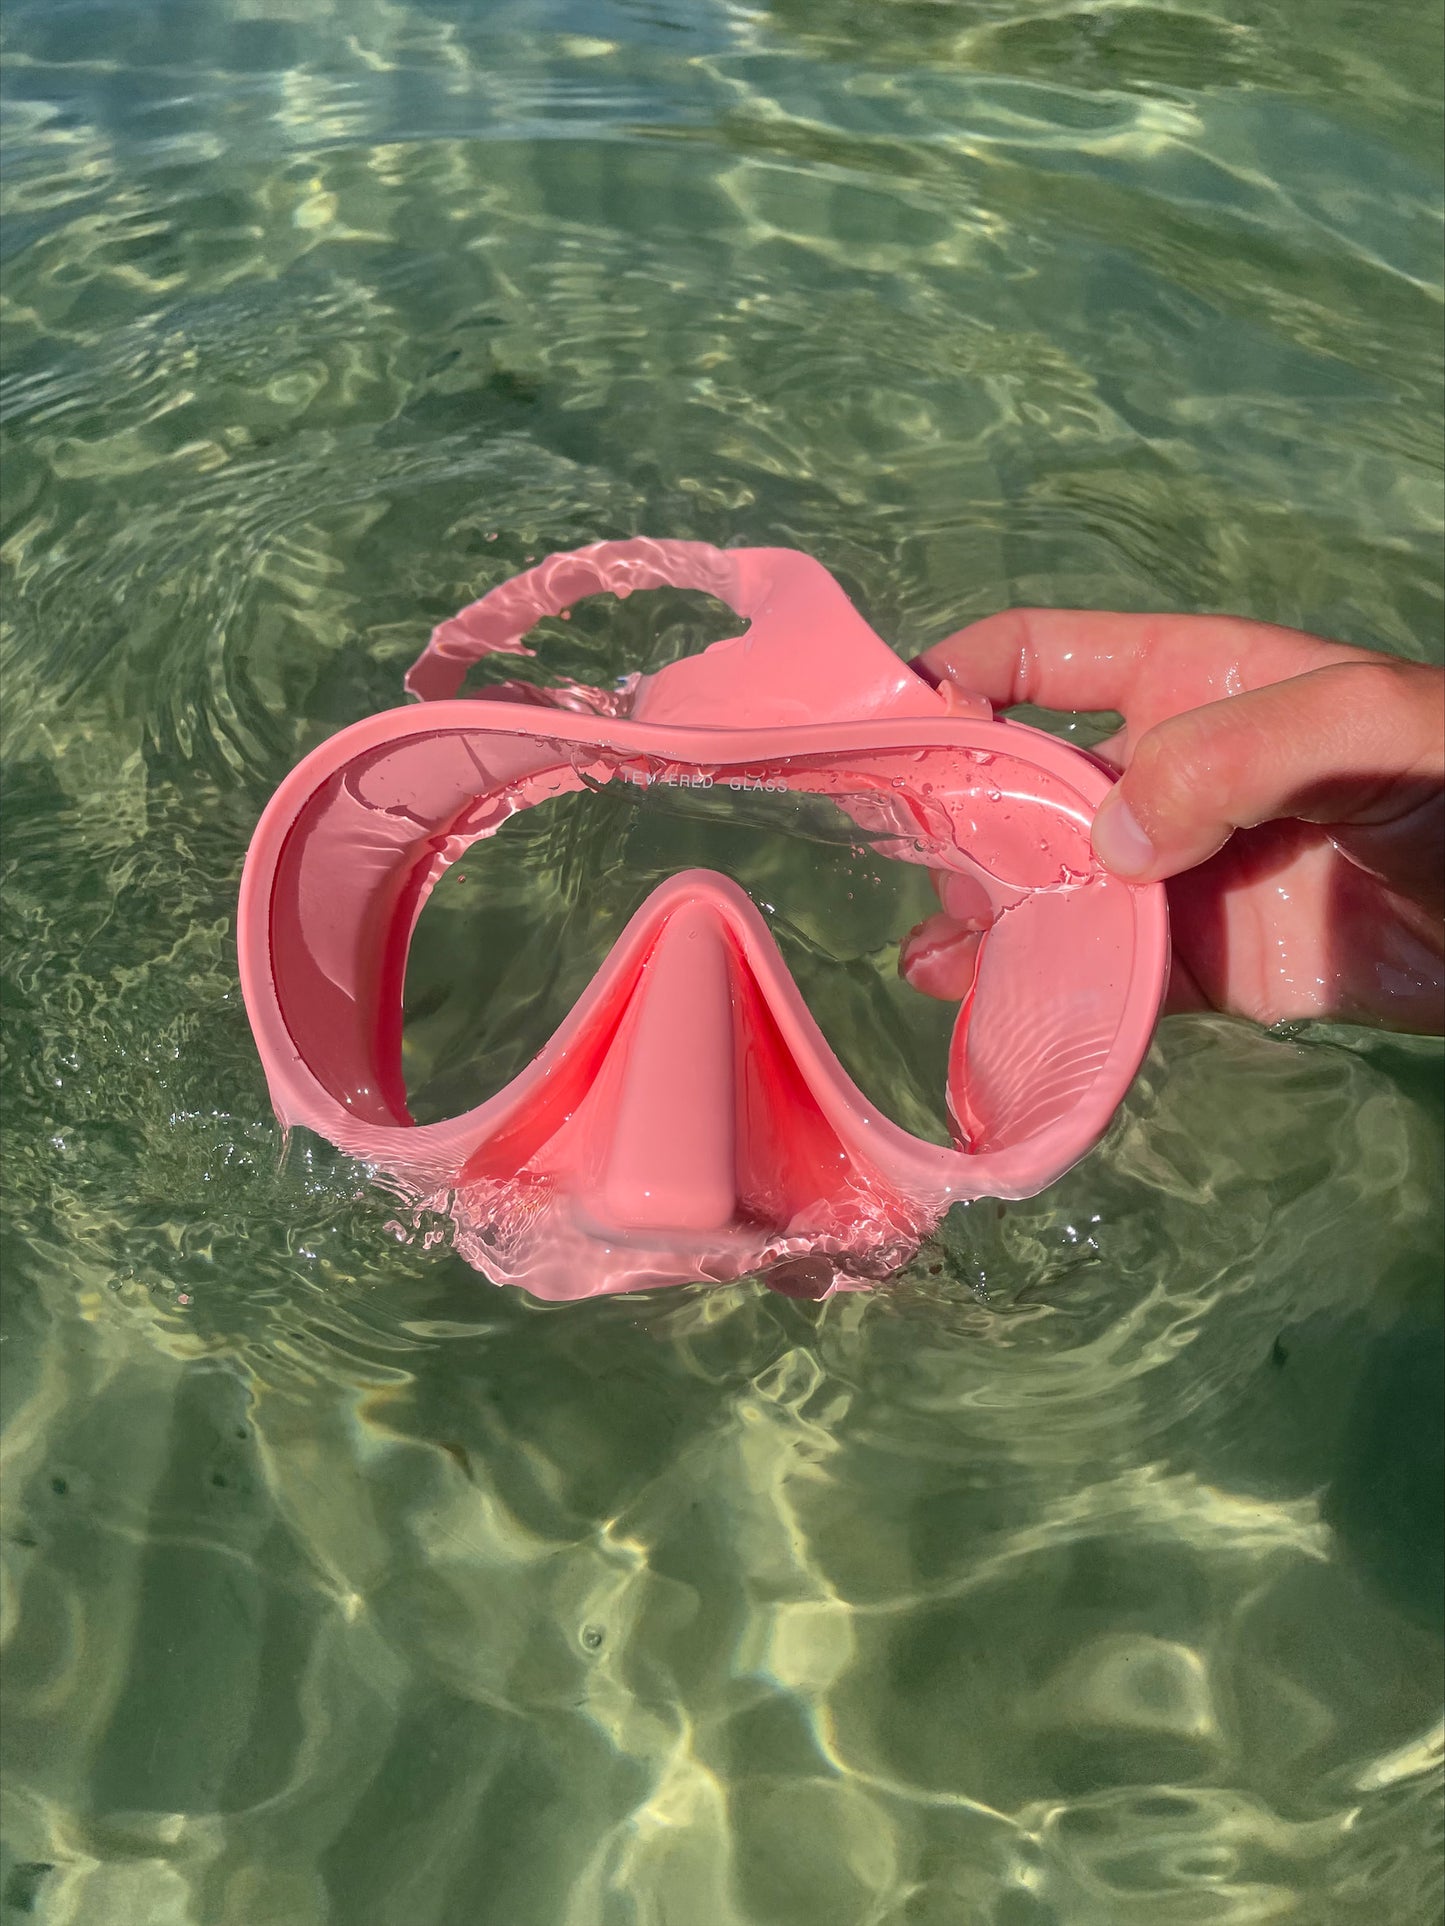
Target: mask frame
688 1119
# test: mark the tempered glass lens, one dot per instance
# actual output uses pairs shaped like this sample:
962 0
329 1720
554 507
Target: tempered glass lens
543 847
515 929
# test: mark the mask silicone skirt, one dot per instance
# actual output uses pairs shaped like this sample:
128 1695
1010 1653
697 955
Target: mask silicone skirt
687 1119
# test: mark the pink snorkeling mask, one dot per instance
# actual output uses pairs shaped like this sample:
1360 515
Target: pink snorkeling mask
687 1119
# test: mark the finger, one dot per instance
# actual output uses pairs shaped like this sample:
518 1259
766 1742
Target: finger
939 957
1353 743
1114 751
1085 659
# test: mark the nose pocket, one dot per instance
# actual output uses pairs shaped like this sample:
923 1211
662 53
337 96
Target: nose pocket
669 1147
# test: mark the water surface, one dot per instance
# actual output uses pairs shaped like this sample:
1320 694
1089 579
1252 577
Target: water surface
1091 1575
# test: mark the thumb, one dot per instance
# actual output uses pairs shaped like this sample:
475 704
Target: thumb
1354 742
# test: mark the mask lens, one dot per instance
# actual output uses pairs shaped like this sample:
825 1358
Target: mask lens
516 928
833 846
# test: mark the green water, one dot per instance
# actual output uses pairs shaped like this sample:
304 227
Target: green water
1090 1576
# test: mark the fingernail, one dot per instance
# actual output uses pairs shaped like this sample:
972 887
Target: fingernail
1119 842
972 708
966 900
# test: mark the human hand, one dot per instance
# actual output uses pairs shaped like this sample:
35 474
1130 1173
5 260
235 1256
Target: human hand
1289 791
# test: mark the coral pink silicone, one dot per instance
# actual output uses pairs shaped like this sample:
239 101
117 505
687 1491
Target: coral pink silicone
688 1119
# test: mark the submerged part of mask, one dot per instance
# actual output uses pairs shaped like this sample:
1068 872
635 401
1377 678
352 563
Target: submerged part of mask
688 1119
